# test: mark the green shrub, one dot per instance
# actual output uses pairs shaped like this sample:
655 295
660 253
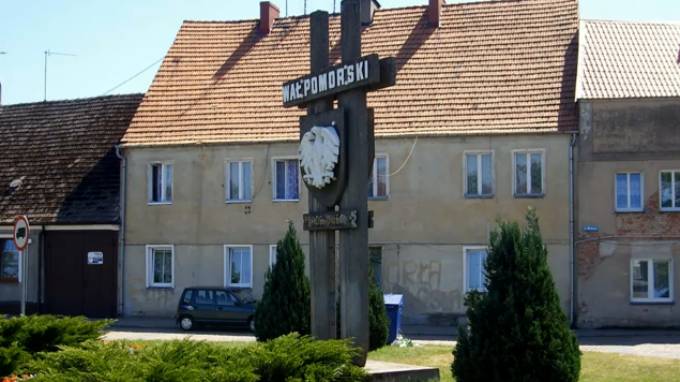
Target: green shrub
288 358
377 315
285 304
22 337
517 330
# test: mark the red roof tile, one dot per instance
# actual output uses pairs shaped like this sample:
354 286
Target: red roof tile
498 67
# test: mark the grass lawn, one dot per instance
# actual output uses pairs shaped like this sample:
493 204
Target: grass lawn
595 367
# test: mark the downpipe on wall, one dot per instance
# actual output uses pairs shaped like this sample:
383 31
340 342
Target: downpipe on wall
572 249
121 232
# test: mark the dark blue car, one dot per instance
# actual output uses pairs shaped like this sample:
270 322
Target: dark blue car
215 305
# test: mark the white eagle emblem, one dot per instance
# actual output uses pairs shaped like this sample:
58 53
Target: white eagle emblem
319 150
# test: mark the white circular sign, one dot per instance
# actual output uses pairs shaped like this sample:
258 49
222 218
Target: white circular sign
21 232
319 150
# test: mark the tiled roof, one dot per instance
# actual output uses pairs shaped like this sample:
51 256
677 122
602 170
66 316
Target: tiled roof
629 60
60 157
497 67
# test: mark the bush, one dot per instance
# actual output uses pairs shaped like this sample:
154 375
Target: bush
517 330
377 315
22 337
285 304
288 358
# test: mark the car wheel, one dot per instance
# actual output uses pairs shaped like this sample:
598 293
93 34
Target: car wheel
186 323
251 324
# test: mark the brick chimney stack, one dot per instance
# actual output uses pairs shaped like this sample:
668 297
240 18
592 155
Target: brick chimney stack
268 14
434 12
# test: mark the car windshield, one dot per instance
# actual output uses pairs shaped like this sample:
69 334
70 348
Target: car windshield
244 296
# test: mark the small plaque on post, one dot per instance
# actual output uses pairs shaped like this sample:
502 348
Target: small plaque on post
330 221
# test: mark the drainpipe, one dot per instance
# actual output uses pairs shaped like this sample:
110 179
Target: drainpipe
41 271
121 232
572 250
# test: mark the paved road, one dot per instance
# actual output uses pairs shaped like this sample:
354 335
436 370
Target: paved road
661 344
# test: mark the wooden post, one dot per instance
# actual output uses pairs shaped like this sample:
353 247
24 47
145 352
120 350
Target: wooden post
321 243
353 264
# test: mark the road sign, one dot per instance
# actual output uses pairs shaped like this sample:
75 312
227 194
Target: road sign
21 232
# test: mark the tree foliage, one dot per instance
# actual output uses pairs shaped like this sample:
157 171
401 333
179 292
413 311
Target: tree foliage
517 330
285 304
377 315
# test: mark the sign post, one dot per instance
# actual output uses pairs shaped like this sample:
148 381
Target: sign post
21 235
336 155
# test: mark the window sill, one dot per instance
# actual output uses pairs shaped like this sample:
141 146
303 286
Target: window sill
238 201
529 196
159 203
160 287
285 200
629 211
242 286
473 196
652 302
378 198
662 209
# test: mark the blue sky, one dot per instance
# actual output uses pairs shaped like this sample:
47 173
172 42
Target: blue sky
113 40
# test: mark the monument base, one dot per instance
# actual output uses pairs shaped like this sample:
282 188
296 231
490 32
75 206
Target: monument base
396 372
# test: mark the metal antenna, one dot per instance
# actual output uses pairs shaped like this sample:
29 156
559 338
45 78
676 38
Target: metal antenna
2 52
305 9
333 6
286 8
47 54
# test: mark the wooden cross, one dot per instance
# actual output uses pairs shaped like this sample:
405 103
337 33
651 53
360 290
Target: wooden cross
343 203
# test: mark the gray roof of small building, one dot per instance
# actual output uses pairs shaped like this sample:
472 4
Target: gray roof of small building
621 59
58 162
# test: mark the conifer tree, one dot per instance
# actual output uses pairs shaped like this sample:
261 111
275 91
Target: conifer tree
377 315
285 303
517 330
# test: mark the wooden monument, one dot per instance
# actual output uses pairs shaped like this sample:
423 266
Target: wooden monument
336 157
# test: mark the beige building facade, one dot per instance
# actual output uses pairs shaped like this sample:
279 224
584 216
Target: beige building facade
425 227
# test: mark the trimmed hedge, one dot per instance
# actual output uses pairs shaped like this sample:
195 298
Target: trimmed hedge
288 358
22 337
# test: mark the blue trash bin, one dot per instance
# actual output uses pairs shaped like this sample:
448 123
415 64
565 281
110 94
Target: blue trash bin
394 304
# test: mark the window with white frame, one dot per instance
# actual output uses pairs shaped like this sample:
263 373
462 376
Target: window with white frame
670 190
286 180
160 265
651 280
629 191
238 265
528 173
272 256
478 174
239 181
475 262
10 261
378 184
160 183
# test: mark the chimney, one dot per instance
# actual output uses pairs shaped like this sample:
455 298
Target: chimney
368 8
268 13
434 12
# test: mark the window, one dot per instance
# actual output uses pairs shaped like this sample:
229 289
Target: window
160 265
378 184
651 280
286 184
239 181
529 173
188 296
10 268
160 183
375 258
238 265
272 256
205 298
223 298
629 191
478 174
670 190
475 261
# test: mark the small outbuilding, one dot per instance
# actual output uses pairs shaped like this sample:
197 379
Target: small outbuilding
59 166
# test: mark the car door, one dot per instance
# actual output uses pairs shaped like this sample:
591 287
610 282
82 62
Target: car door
241 312
225 306
204 304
